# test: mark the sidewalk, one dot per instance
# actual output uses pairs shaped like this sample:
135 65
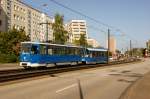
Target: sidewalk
140 89
6 66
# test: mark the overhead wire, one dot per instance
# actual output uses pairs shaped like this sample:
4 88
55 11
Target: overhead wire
90 18
82 14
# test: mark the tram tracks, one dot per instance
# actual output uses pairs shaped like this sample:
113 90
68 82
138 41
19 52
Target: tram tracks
11 75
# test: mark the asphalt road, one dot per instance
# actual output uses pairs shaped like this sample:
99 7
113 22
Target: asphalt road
107 83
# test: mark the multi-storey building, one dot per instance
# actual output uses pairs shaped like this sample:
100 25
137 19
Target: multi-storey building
4 15
112 45
15 13
75 29
148 46
93 43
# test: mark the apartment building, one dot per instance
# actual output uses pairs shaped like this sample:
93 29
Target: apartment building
148 46
112 45
93 43
75 29
17 14
3 16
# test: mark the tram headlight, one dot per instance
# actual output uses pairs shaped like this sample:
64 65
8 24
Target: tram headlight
24 58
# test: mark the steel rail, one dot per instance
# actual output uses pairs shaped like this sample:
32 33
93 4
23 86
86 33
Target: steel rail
11 75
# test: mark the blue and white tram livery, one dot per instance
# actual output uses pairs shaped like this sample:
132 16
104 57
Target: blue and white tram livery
95 55
35 54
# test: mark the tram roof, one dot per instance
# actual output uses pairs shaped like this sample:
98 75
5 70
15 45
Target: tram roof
27 42
97 49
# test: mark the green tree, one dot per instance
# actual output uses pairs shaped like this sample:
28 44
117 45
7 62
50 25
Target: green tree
60 34
10 42
82 41
118 51
76 42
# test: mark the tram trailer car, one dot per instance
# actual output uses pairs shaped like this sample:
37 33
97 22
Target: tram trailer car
94 56
35 54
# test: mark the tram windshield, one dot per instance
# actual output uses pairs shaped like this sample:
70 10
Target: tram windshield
25 48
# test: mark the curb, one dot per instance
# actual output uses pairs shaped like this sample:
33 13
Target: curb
139 89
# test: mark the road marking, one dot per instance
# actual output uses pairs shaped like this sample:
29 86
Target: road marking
73 85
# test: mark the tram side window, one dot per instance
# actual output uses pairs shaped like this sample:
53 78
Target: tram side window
25 48
62 51
67 51
94 54
81 52
58 50
90 54
105 53
34 49
43 49
101 53
76 51
97 54
50 51
55 51
70 51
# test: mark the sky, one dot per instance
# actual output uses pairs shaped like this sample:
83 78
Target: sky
126 19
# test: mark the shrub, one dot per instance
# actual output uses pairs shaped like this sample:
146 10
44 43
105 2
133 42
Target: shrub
8 58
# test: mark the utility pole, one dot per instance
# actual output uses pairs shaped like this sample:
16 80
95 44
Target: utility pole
108 46
130 48
47 23
47 32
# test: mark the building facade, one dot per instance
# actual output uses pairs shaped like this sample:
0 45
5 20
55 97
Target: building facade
16 14
148 46
93 43
75 28
112 45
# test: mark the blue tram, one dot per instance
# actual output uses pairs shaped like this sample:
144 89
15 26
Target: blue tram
94 56
35 54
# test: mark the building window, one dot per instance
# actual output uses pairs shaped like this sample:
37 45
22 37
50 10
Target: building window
21 9
24 19
0 11
21 18
8 3
1 1
18 17
8 7
18 27
24 10
15 7
8 13
8 21
0 22
15 17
